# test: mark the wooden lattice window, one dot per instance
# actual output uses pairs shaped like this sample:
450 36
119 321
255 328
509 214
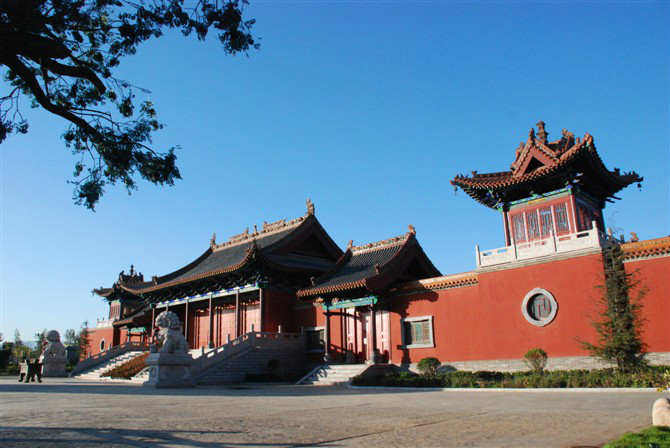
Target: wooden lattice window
545 221
533 225
585 217
417 332
519 227
562 222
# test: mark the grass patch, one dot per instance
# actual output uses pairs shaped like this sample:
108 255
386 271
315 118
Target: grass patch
652 437
644 377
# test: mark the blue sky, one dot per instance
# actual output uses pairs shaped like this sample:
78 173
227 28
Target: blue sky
367 108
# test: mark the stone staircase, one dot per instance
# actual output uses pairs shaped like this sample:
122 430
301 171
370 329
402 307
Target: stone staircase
258 354
95 372
329 374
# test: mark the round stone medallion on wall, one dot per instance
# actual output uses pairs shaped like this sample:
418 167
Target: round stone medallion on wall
539 307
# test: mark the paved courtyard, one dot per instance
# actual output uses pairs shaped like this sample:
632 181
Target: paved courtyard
77 413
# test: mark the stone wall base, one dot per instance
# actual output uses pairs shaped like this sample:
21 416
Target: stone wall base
557 363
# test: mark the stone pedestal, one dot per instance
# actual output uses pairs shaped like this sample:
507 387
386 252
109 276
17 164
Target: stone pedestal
660 413
170 370
53 366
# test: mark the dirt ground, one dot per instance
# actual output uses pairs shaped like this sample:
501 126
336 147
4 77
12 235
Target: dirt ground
79 413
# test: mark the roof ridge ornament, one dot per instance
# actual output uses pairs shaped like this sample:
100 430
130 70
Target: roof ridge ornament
541 133
412 230
310 207
212 242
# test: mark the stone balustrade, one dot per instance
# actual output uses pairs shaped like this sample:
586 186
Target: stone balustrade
587 239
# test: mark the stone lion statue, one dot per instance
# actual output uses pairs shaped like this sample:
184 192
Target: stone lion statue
53 345
170 338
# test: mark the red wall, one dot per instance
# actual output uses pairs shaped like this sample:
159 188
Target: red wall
278 310
95 336
654 274
485 321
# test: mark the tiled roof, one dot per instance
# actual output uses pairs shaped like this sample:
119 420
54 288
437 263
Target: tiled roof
371 266
557 157
646 248
438 283
264 245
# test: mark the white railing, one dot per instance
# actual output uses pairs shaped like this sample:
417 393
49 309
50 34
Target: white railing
551 245
105 322
101 357
247 341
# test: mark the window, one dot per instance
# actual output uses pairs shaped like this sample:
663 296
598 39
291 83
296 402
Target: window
533 225
316 338
562 223
519 227
545 221
102 345
417 332
539 307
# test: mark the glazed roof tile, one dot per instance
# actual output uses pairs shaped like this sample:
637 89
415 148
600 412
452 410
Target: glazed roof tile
561 156
238 251
371 266
646 248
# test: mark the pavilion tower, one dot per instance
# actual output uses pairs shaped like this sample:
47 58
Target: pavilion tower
553 189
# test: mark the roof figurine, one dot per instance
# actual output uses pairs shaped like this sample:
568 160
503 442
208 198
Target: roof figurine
372 268
542 166
286 252
310 207
541 133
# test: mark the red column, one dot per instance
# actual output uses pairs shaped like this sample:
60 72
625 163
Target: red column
260 311
186 326
237 313
210 343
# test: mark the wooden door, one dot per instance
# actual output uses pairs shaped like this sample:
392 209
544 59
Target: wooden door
224 325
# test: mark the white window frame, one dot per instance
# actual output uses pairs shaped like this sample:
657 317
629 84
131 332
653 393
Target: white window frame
306 329
102 345
417 319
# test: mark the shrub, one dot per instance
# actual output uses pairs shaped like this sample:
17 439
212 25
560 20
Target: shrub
644 377
428 366
536 359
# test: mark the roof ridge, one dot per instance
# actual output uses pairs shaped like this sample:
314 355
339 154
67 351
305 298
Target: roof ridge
267 230
376 245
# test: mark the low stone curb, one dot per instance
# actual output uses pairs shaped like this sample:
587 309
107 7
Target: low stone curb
509 389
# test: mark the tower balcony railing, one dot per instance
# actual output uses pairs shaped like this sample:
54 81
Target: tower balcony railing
526 250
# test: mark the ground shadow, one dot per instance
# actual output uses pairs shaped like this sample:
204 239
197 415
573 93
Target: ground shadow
111 388
32 436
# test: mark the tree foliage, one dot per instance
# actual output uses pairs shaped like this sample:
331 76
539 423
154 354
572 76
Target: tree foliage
619 323
41 339
17 337
536 359
61 54
428 366
70 337
83 339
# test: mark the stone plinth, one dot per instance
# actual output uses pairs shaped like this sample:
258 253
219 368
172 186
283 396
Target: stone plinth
170 370
53 366
661 412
